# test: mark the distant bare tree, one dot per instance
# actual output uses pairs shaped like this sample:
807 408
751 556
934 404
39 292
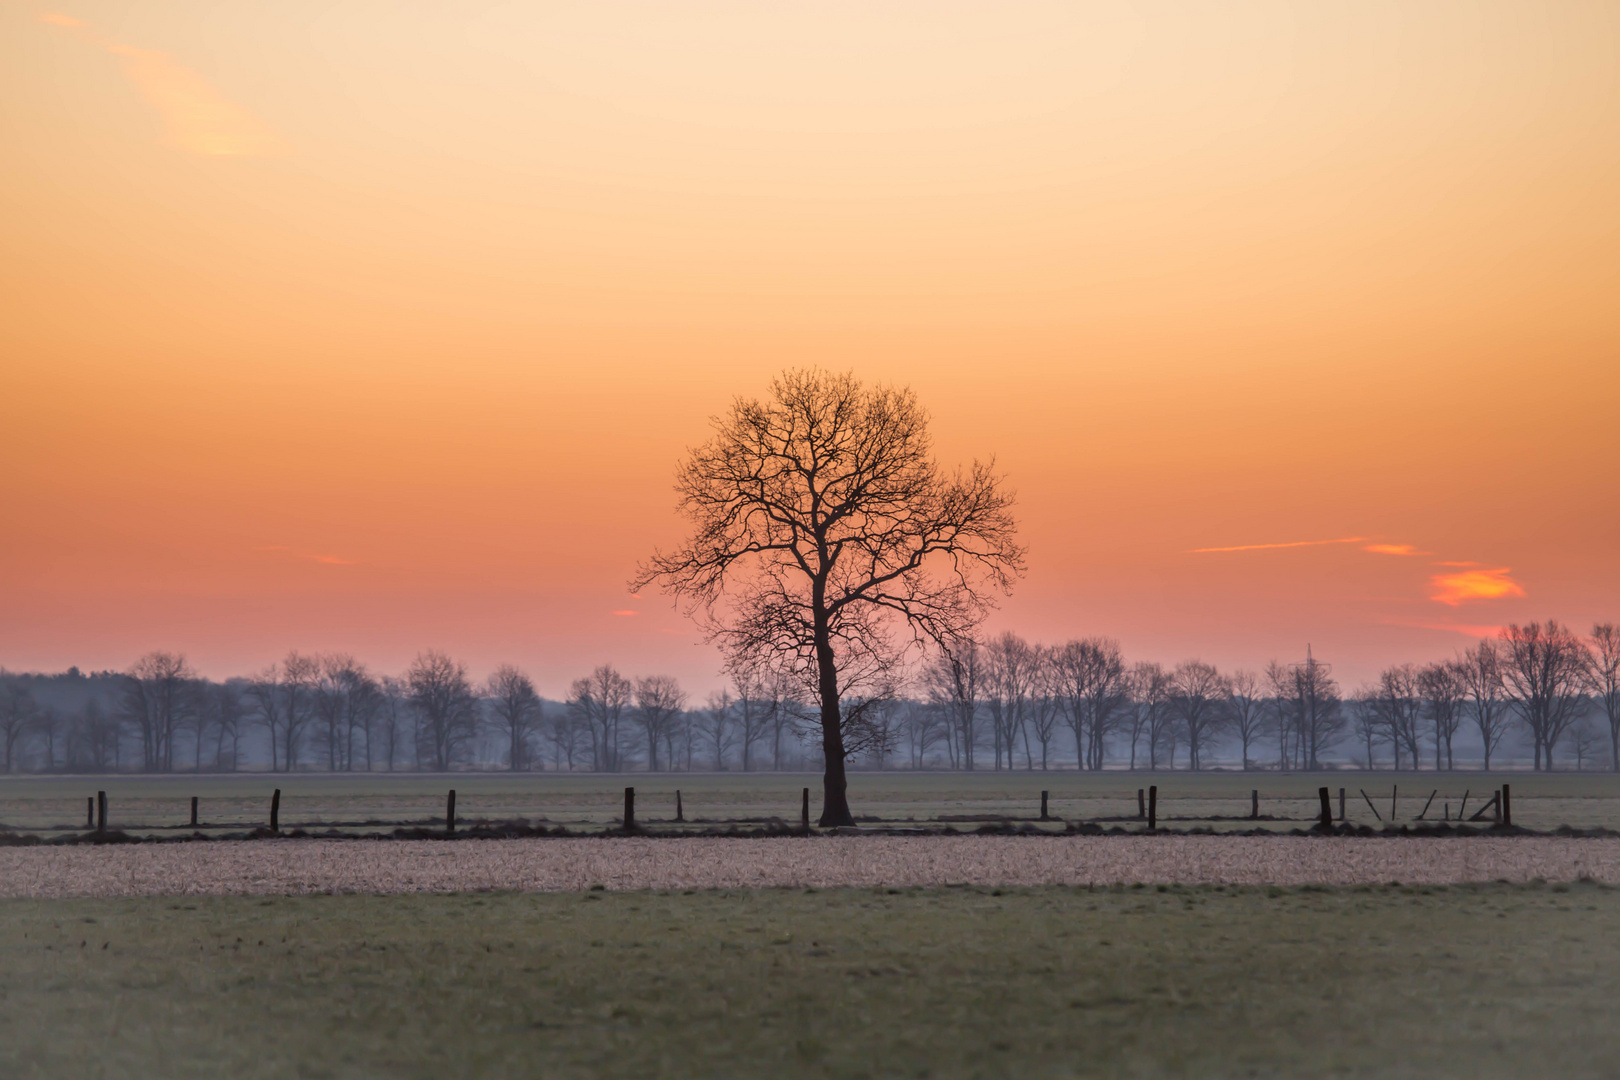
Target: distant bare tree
822 527
1045 700
1367 722
1150 694
1605 680
659 701
1401 709
953 679
226 715
516 710
714 724
1245 710
157 698
393 718
598 701
93 739
1444 689
757 702
447 708
1583 741
1196 694
1481 671
1009 671
1094 688
1546 669
923 727
283 700
561 729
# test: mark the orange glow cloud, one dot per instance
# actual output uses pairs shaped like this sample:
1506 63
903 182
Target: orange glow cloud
1466 585
1393 549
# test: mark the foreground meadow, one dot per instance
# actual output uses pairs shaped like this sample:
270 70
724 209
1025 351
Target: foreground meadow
1484 980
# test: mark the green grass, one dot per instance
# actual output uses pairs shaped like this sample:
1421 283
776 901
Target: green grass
1471 981
47 804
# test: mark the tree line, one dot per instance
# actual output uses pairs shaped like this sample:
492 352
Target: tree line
1003 703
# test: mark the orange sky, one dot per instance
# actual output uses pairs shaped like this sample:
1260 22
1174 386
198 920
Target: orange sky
381 326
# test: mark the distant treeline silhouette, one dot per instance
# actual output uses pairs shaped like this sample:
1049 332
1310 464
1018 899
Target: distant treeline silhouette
999 704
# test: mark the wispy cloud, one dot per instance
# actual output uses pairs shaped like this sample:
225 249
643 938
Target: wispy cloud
627 612
1395 549
1458 588
1473 630
324 560
1289 544
198 119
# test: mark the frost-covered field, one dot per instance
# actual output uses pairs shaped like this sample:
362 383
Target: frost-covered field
303 866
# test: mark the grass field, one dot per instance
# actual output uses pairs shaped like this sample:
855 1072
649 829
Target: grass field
1475 981
367 802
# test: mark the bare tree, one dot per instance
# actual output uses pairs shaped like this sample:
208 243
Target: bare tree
445 703
1245 709
598 701
516 709
18 713
1401 709
757 703
1583 740
1605 680
1545 669
714 724
1045 695
1367 722
227 715
953 679
93 740
1444 690
1196 694
822 524
923 727
562 733
1481 671
282 696
157 697
1094 689
659 701
1308 706
1150 696
1009 672
392 718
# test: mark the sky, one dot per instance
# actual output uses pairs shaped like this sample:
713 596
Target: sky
376 327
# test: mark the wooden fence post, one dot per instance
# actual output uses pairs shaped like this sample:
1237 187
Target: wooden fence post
1392 792
804 813
275 810
1507 805
1254 804
629 809
194 811
1428 804
1341 804
680 812
450 812
89 811
1327 808
1153 806
101 811
1370 805
1043 807
1141 804
1463 809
